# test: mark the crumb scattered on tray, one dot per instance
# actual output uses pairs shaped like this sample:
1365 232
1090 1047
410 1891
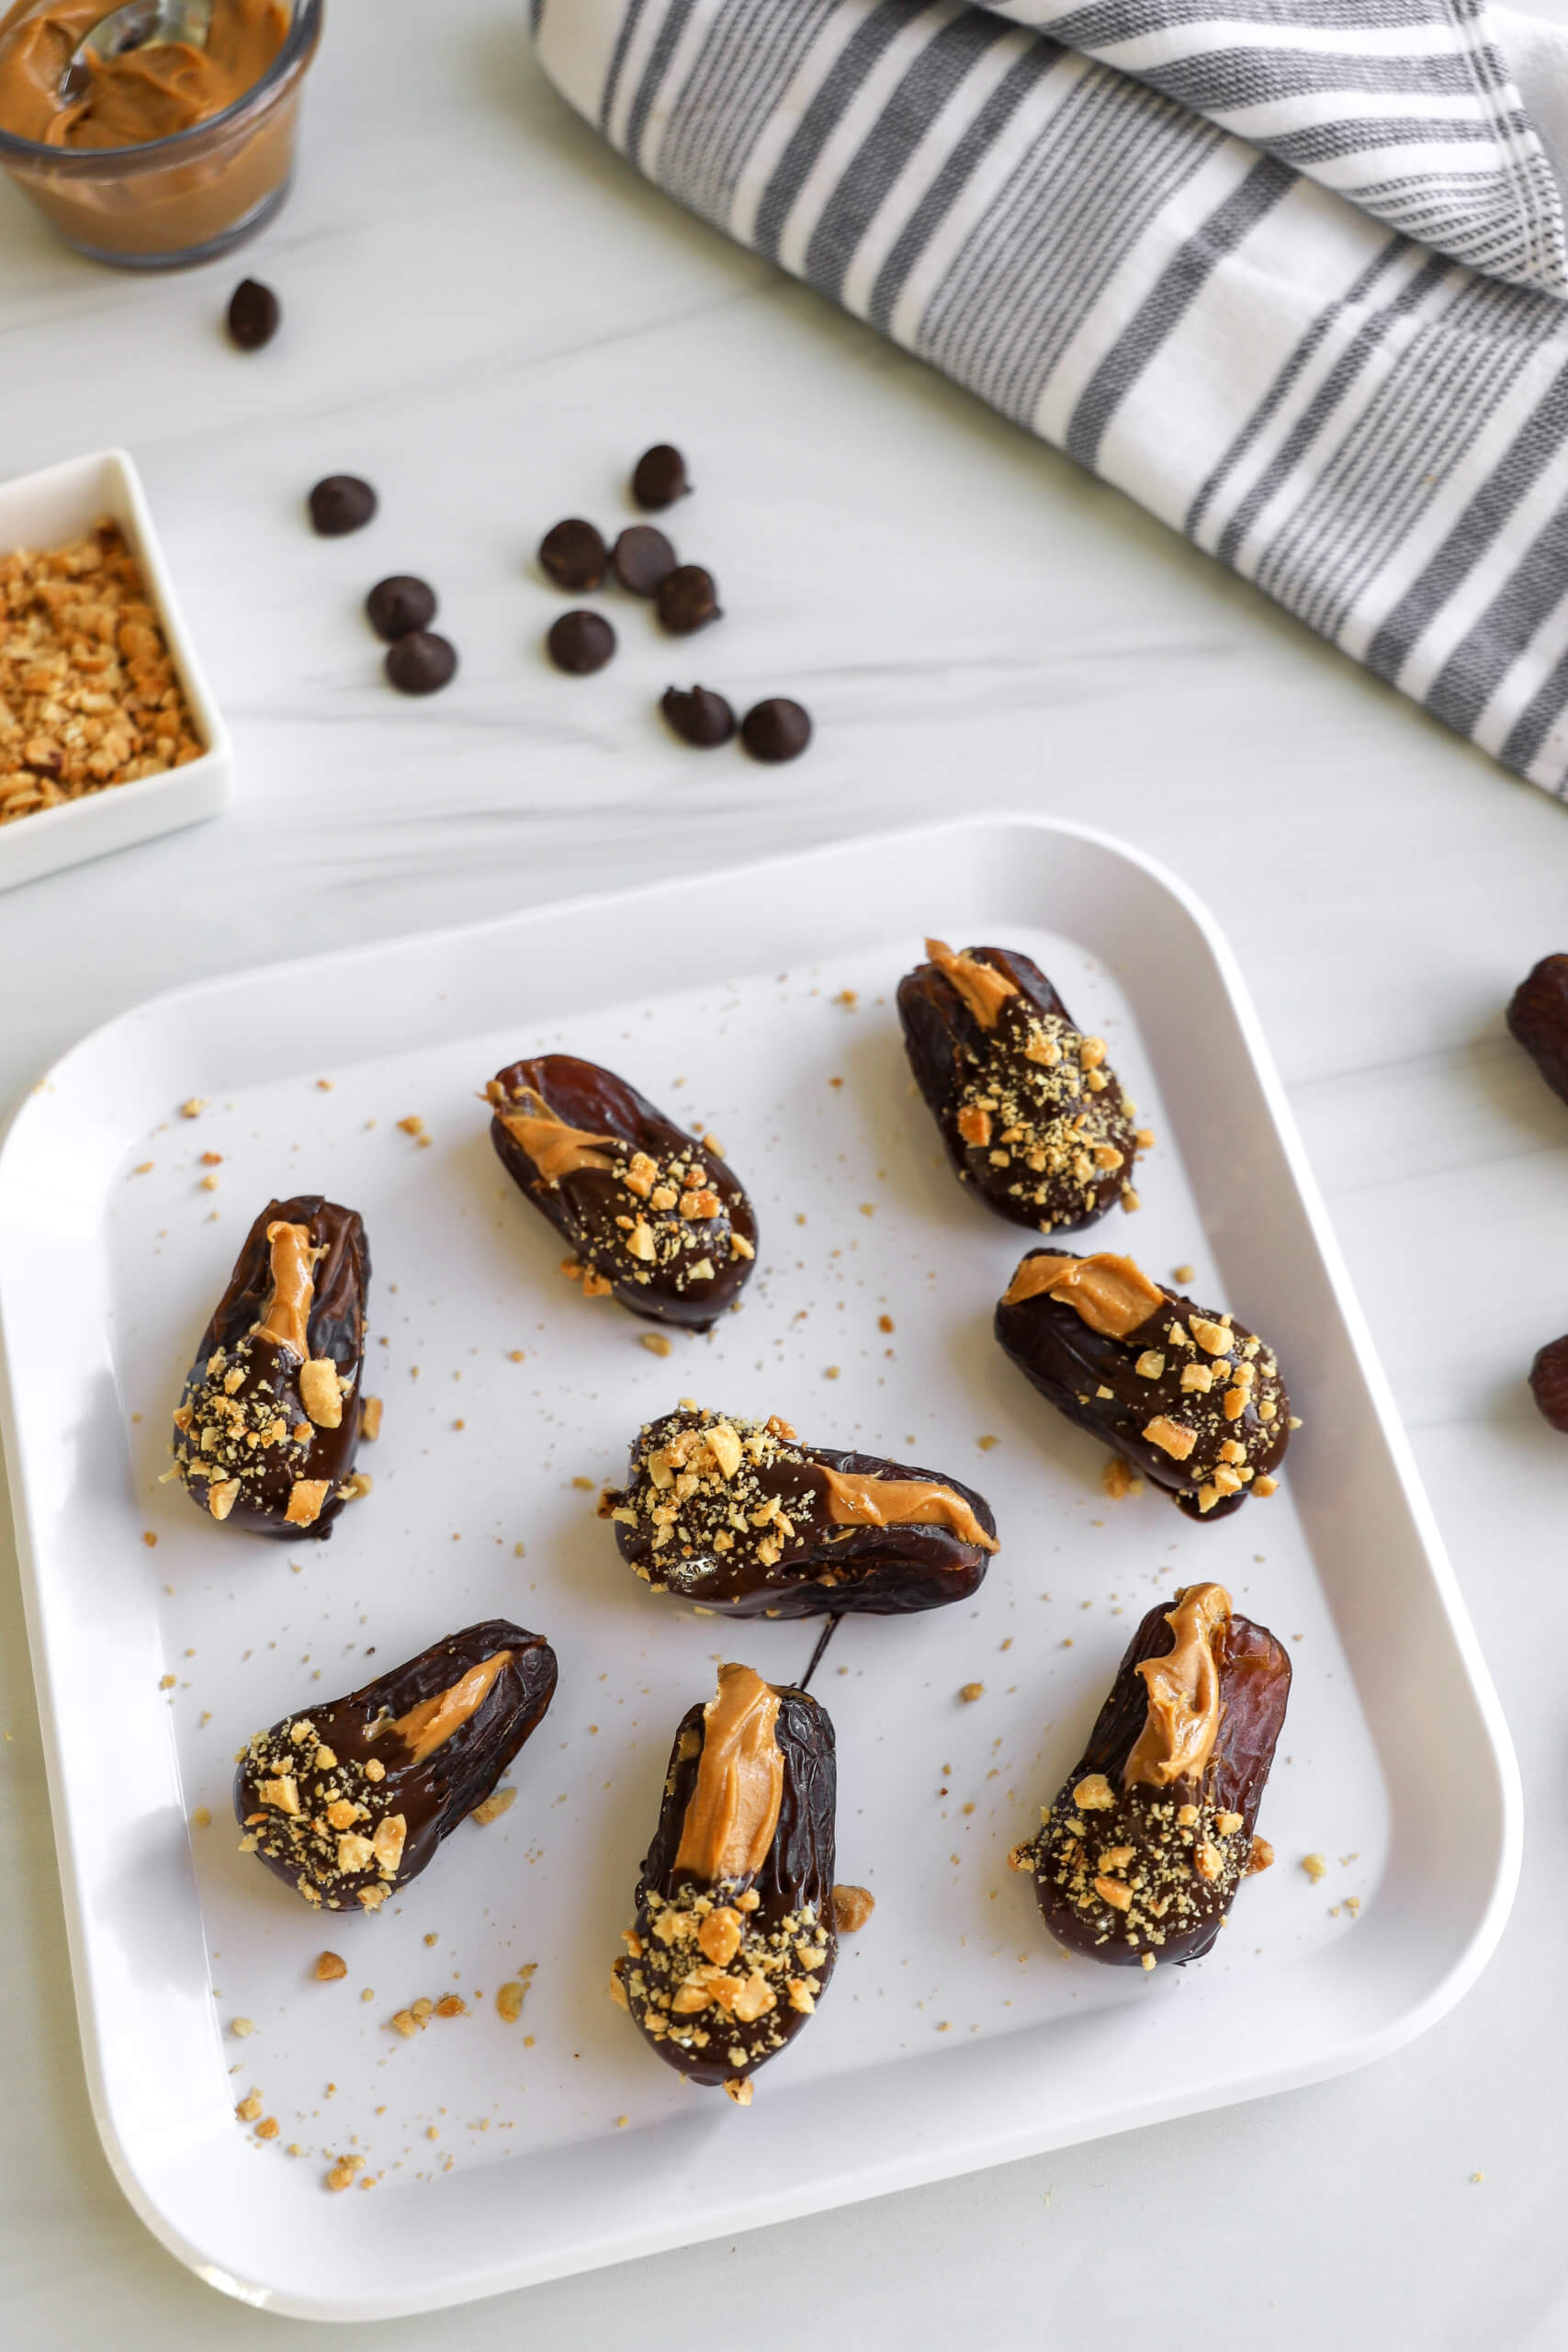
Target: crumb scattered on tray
852 1906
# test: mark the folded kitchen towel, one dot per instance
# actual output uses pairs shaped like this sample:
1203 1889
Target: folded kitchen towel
1291 272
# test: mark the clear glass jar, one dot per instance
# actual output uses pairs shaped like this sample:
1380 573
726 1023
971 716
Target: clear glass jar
184 199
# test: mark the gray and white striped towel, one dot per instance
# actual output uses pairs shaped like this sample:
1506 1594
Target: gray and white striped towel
1177 238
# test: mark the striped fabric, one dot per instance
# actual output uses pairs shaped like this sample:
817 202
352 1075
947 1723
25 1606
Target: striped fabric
1372 430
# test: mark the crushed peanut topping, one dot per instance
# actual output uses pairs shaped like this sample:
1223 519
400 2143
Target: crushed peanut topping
1139 1869
304 1798
1035 1104
677 1989
653 1215
88 694
1200 1389
246 1425
715 1496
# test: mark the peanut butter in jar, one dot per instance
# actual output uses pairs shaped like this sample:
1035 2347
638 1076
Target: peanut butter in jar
172 152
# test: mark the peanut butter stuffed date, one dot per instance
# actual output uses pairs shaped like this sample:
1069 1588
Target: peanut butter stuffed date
654 1217
745 1518
734 1938
1139 1858
268 1422
1032 1113
1192 1400
349 1802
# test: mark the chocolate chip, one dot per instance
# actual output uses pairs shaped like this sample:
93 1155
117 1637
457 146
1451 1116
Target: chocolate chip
775 730
422 662
688 599
573 555
699 716
254 314
401 605
341 503
659 478
580 643
642 558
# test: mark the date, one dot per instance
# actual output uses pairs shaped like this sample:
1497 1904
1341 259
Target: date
269 1418
733 1937
747 1518
1191 1398
1538 1017
1138 1857
1034 1116
349 1801
654 1217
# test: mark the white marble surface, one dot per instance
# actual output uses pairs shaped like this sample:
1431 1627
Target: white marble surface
489 317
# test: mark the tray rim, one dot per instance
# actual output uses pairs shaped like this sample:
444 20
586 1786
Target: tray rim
915 2167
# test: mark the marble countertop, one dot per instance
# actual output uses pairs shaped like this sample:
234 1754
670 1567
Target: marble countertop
489 316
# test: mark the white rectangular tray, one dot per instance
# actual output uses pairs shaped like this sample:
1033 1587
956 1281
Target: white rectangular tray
955 2034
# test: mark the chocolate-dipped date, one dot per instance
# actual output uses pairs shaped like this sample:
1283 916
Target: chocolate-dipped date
733 1937
1032 1114
268 1421
1139 1859
654 1217
349 1800
746 1518
1190 1398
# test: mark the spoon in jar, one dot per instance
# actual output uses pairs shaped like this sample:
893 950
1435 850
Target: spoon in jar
136 24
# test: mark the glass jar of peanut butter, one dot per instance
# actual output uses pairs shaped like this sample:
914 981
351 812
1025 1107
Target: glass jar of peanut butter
167 154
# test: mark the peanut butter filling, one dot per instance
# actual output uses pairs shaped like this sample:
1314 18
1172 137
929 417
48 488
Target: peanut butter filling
1183 1721
1111 1295
432 1723
855 1501
733 1812
984 990
144 94
556 1150
288 1311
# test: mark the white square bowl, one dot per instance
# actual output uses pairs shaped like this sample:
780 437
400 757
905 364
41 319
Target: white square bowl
49 510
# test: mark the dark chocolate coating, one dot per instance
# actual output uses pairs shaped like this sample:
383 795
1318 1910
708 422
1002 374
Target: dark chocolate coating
432 1797
821 1568
270 1389
584 1207
955 1060
1255 1688
1057 1352
795 1884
